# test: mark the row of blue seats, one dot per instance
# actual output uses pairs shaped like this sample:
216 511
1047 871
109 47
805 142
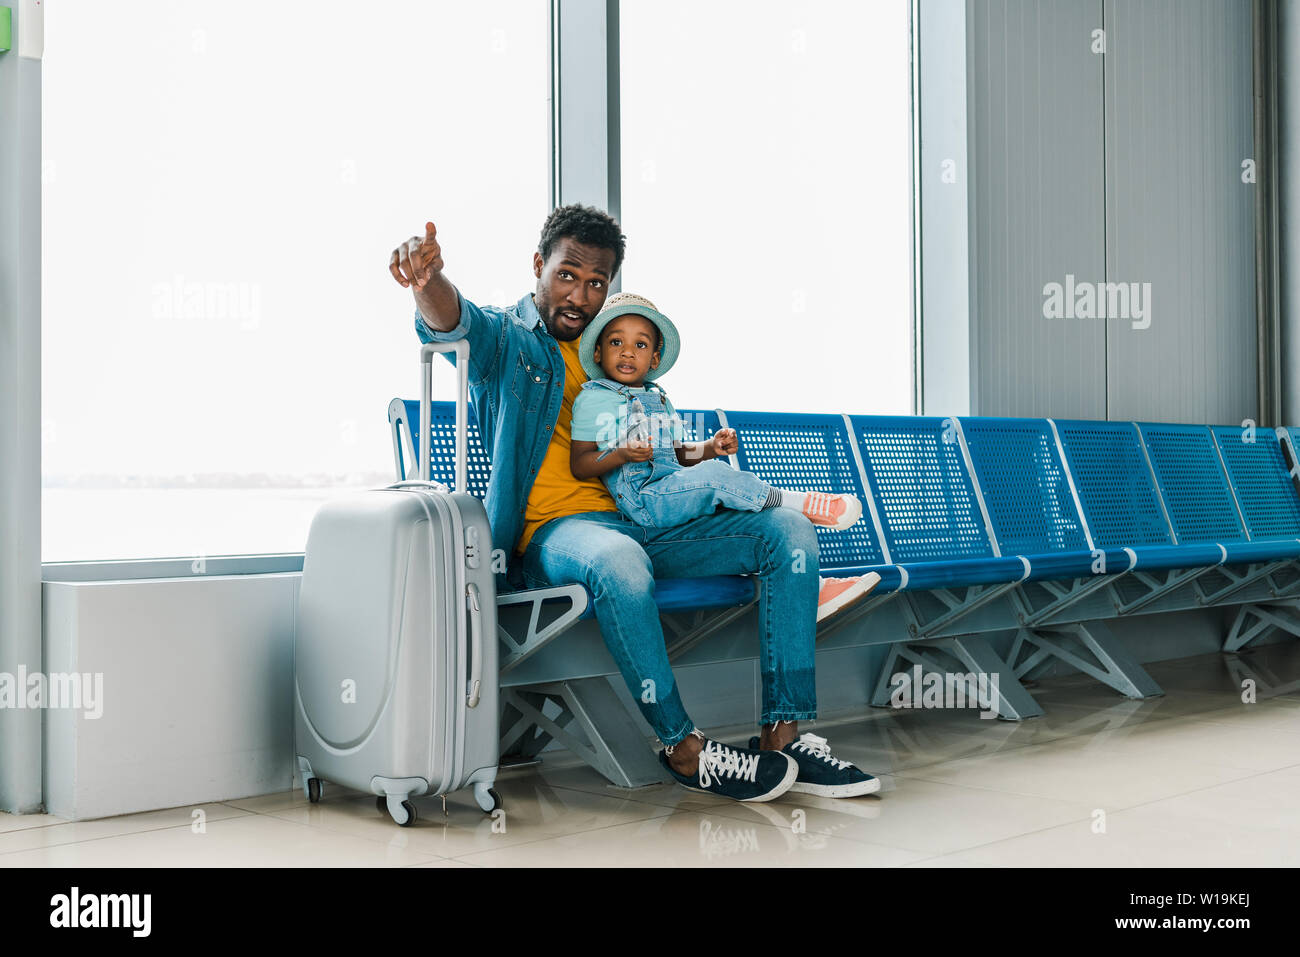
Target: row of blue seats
953 502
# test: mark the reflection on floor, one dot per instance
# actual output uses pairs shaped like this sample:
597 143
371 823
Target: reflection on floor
1196 778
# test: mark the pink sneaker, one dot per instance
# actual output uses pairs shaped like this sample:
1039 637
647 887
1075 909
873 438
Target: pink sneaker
838 594
836 512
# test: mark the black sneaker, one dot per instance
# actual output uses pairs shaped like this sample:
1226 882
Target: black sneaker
821 774
742 774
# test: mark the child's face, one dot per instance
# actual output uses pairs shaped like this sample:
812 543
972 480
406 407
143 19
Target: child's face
625 350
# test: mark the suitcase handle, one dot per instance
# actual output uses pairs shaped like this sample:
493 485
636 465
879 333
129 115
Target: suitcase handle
420 483
476 645
461 348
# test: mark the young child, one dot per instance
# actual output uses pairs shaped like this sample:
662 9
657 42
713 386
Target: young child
627 432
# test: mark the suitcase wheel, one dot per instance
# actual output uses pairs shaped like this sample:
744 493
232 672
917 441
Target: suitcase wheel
487 797
409 815
315 786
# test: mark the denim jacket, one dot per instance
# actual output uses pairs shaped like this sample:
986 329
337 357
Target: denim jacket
516 384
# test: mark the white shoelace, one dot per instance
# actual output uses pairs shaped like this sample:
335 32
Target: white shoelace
818 748
719 761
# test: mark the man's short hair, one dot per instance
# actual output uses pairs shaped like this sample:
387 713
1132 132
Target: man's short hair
586 224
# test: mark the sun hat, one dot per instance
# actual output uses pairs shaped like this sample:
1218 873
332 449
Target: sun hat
624 304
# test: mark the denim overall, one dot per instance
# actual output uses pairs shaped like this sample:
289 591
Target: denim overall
663 493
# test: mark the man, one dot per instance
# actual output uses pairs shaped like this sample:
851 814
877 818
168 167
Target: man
557 529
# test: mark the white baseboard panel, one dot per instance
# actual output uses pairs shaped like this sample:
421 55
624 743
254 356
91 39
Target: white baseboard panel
197 692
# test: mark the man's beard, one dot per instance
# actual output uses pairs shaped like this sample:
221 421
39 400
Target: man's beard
562 335
549 318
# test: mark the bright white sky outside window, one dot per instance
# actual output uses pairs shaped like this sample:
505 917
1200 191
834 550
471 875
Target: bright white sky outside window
224 181
766 189
219 353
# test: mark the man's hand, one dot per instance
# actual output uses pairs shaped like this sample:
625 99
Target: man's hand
418 263
418 259
637 450
725 442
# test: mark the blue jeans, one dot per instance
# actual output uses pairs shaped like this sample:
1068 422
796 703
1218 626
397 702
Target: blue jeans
651 493
618 561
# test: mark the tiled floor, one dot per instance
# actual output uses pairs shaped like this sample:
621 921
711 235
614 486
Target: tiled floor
1196 777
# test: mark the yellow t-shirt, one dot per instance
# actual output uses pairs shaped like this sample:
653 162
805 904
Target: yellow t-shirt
556 491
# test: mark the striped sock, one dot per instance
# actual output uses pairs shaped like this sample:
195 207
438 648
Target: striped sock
784 498
793 500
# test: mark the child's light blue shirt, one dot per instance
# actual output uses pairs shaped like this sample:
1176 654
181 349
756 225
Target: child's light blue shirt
598 414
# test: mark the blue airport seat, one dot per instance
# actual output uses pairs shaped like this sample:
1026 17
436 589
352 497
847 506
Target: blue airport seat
960 573
700 424
442 467
931 527
1031 502
1120 504
1062 566
690 594
1166 557
1024 484
1264 493
1257 471
812 452
935 536
1242 553
1121 507
1058 494
922 492
1192 483
1217 487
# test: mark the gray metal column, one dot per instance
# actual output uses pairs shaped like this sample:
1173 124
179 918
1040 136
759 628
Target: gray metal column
584 103
1288 200
942 176
20 418
1267 319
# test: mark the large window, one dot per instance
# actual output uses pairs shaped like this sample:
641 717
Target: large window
766 191
223 183
224 180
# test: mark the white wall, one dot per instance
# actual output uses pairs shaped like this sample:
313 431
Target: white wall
1115 166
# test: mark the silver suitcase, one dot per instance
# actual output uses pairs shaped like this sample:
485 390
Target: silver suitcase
395 656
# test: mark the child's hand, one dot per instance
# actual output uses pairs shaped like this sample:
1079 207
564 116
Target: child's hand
637 450
725 442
